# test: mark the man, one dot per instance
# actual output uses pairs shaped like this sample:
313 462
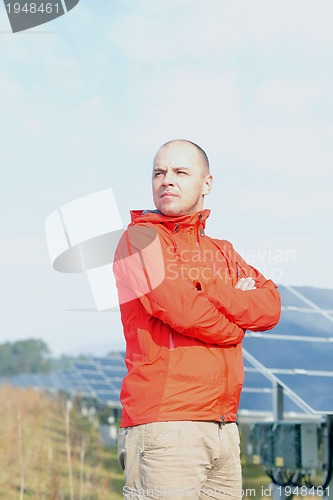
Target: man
186 301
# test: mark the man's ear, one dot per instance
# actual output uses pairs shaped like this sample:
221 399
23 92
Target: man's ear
207 185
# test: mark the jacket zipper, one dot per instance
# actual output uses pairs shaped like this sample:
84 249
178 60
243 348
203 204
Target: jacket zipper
222 418
201 233
225 392
171 340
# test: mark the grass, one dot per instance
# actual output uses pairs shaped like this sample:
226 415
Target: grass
42 458
38 460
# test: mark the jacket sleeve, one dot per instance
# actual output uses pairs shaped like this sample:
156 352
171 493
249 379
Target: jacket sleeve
255 310
142 272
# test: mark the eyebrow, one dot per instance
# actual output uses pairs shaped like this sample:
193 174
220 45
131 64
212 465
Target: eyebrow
161 169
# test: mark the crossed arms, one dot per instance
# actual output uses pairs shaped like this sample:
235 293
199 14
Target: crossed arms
215 314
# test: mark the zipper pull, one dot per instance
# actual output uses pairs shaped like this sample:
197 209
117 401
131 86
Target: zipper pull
201 230
222 420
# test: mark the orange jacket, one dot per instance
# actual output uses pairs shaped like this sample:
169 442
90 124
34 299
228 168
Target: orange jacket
183 319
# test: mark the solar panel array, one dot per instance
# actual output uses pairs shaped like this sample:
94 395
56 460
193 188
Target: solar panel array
297 354
96 378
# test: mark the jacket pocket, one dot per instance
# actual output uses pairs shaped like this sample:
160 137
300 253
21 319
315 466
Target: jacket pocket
149 349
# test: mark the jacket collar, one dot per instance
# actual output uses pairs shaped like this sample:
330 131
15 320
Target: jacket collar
172 223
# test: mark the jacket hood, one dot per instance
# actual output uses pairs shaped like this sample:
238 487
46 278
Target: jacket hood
181 221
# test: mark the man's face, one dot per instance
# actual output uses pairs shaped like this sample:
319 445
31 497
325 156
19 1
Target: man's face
180 179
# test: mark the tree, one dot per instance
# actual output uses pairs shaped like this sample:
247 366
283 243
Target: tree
24 356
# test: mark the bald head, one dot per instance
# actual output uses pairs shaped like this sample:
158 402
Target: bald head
178 144
181 178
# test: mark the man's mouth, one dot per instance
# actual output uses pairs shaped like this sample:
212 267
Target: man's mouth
168 194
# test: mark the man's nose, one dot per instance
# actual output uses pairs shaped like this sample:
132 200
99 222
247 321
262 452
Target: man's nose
168 179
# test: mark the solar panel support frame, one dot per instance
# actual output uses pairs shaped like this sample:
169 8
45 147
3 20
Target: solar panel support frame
268 374
278 403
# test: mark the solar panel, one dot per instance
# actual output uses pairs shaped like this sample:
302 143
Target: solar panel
101 387
103 377
275 353
87 367
316 391
261 401
116 384
109 398
251 401
92 377
321 297
254 379
297 353
257 394
288 299
120 373
109 362
306 323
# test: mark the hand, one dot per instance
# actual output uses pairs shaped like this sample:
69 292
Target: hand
246 284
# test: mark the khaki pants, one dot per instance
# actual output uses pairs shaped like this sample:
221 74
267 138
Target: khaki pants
181 459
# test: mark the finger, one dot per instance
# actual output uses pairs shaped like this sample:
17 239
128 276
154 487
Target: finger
239 282
245 284
250 285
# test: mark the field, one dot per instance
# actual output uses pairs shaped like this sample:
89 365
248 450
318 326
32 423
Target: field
49 452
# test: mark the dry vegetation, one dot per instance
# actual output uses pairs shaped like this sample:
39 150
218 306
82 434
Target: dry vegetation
49 453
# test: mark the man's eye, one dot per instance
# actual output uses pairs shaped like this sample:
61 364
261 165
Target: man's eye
181 172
